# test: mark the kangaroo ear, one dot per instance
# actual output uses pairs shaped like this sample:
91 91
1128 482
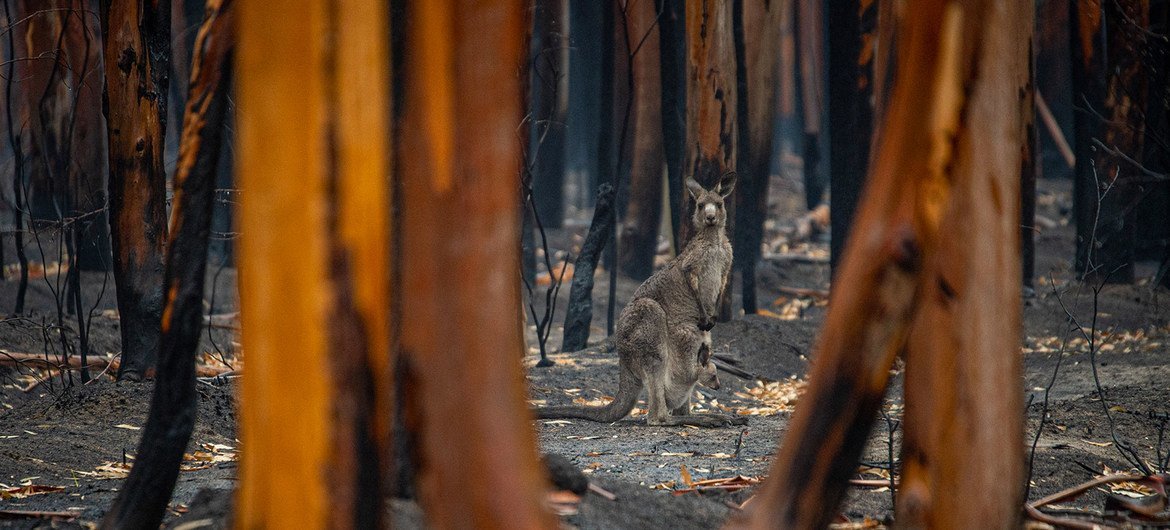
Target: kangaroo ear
726 184
694 187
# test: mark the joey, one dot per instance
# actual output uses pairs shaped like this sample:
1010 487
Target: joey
663 335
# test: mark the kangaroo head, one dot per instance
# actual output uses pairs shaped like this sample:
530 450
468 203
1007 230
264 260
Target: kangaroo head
709 210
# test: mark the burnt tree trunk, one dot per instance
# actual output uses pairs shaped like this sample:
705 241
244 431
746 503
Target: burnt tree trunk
852 35
711 110
585 72
143 498
1109 92
549 98
672 51
1029 172
639 230
16 144
758 45
579 313
948 160
137 47
811 63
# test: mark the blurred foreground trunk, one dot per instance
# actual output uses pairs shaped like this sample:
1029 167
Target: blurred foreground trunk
921 280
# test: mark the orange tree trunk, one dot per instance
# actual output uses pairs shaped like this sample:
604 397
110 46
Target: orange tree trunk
948 159
314 259
711 110
137 48
962 452
639 227
456 159
143 498
758 47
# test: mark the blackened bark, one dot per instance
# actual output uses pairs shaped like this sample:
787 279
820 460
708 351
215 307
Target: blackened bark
581 134
1029 169
579 314
144 496
811 64
1109 87
136 37
757 28
850 79
548 102
15 144
673 60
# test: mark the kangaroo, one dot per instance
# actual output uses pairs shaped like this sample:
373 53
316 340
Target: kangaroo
663 335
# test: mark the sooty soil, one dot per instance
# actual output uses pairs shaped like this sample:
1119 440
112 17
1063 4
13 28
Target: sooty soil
78 438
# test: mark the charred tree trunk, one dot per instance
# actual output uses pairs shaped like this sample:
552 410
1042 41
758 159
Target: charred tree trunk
1054 82
314 156
549 103
711 110
1151 215
143 498
1029 172
811 64
585 70
579 313
852 35
18 172
758 45
1109 91
942 166
456 161
639 230
137 47
672 53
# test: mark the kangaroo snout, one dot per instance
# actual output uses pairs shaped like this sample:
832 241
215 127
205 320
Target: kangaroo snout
710 214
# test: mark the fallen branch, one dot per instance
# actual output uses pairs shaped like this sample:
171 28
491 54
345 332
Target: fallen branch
608 495
74 363
1054 129
821 294
34 514
794 257
1060 522
1076 491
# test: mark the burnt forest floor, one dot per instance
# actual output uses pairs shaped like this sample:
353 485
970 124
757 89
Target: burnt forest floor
67 449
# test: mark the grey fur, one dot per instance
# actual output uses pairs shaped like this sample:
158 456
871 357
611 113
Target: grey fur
663 336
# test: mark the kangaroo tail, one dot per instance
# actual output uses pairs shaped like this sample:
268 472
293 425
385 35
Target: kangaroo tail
627 395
